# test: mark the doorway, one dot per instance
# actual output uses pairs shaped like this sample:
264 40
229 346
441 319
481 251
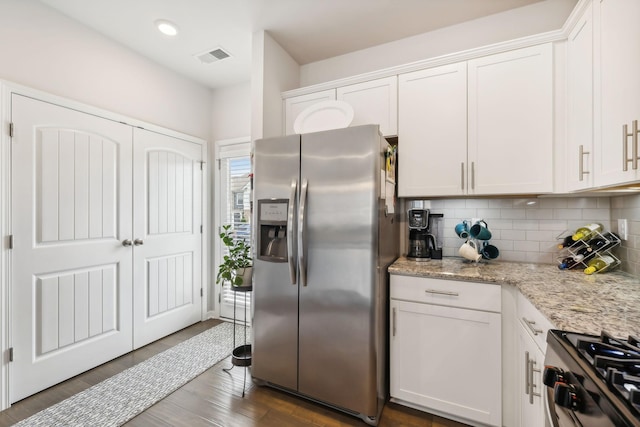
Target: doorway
233 192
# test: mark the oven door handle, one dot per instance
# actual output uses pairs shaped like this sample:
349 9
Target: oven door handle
550 409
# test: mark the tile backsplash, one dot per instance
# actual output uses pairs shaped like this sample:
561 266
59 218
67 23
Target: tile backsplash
529 229
628 207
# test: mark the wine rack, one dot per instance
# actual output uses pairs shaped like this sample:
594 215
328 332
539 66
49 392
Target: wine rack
611 241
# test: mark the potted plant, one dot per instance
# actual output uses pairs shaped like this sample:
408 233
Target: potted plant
236 267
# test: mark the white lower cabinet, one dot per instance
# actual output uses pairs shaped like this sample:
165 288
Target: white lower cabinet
530 388
531 347
445 348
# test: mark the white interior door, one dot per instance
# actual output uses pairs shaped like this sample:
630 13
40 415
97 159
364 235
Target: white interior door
71 275
167 206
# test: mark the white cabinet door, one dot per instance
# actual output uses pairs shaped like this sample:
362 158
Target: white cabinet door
531 332
617 88
71 275
511 122
432 121
295 105
447 360
530 386
579 153
373 102
167 211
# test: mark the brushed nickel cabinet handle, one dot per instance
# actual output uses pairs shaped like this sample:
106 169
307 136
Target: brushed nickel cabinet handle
127 242
437 292
530 324
138 242
473 175
625 149
532 385
634 145
526 372
393 321
581 154
462 176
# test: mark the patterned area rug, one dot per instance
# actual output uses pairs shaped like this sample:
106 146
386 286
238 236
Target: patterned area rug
116 400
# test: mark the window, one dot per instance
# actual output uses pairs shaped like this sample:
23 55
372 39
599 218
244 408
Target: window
238 200
233 205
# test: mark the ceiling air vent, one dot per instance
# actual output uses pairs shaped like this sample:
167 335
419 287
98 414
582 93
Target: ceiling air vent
214 55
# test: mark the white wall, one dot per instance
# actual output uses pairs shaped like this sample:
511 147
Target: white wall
45 50
533 19
231 112
273 72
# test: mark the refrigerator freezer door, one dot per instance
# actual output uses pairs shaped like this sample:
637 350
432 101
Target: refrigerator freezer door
275 316
337 354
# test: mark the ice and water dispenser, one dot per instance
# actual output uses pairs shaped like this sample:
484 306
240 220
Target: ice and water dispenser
272 226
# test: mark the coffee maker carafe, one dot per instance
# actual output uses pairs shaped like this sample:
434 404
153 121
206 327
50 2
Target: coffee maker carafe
422 243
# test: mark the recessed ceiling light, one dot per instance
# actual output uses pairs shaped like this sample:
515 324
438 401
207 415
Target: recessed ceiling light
167 28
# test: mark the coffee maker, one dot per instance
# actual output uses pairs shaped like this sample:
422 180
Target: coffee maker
423 244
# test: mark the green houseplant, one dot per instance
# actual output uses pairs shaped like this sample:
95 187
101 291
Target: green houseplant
236 265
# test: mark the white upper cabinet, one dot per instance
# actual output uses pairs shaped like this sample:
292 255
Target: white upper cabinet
579 154
373 102
511 122
480 127
295 105
617 91
432 153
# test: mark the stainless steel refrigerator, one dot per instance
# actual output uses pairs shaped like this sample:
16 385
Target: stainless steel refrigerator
325 233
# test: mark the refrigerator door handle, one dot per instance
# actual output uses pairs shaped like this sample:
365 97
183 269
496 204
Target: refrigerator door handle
301 233
290 235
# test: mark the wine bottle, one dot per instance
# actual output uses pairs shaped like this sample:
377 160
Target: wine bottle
603 243
585 252
600 263
570 261
566 242
584 233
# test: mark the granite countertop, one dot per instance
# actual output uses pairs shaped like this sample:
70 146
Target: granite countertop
570 299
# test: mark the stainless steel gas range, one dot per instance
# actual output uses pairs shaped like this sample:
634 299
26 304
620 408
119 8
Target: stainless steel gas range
592 380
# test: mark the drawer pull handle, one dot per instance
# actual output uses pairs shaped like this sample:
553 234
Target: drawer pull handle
394 321
449 293
530 324
530 370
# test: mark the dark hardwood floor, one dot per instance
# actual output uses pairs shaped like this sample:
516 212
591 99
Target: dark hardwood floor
215 399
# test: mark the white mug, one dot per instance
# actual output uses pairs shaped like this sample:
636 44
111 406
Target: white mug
469 251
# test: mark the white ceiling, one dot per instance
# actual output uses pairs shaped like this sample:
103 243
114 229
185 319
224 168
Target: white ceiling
310 30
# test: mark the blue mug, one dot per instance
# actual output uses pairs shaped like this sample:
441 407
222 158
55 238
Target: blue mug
462 229
480 231
489 251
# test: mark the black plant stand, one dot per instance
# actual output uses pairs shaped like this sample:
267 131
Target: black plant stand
241 355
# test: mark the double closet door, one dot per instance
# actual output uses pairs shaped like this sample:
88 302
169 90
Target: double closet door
106 225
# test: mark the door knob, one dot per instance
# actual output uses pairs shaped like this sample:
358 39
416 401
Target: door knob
126 242
138 242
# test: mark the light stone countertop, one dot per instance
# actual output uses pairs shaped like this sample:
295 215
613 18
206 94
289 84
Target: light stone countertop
570 299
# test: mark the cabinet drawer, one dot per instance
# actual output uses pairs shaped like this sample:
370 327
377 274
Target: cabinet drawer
472 295
533 321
